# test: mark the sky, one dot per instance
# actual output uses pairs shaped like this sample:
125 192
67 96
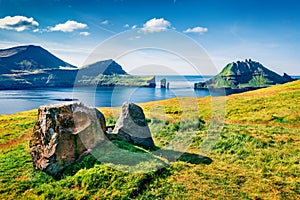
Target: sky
161 34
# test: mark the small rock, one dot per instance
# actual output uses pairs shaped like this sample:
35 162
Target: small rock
62 133
132 126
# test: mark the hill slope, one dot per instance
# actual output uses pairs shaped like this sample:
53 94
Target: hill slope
28 58
106 67
256 155
242 74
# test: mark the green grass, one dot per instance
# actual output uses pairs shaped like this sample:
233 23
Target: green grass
277 105
257 154
116 80
258 81
227 71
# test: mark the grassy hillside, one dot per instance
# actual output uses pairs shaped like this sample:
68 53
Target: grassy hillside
243 74
256 157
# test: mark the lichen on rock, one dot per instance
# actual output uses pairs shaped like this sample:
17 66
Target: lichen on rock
64 132
132 126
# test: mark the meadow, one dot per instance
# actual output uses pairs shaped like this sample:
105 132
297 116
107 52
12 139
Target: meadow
256 156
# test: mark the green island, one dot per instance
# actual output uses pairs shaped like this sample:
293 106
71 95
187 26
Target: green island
243 76
255 157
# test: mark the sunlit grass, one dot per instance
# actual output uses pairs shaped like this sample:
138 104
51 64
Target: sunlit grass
257 155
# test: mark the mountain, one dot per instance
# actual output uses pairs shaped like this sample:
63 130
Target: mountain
244 74
26 67
27 59
106 67
108 73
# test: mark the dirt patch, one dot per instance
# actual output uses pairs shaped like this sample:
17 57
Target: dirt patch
15 141
21 178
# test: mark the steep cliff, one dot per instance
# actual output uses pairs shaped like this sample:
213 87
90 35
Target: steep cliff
243 74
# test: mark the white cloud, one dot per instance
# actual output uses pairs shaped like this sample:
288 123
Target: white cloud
18 23
134 26
126 26
68 26
84 33
156 25
135 37
105 22
197 29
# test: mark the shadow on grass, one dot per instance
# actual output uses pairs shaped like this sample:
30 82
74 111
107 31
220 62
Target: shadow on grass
130 158
173 156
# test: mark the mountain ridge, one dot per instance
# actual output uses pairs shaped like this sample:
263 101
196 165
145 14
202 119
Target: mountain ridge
29 58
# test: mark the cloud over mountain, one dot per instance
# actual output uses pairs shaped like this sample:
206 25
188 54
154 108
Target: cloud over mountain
68 26
156 25
197 29
18 23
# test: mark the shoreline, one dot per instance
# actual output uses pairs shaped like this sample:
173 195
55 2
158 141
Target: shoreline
17 100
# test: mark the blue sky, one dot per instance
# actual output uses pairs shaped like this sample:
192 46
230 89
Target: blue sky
228 30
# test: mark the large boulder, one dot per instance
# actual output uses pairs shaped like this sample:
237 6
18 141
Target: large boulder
132 126
64 132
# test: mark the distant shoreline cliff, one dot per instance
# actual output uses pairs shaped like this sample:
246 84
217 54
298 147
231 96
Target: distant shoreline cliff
28 67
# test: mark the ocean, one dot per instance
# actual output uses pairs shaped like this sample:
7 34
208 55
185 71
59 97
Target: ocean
12 101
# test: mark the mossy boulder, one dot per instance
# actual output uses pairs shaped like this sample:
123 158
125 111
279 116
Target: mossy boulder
132 126
63 133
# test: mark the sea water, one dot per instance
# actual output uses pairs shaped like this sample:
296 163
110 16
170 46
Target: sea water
12 101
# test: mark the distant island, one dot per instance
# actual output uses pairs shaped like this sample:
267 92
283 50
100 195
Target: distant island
27 67
243 76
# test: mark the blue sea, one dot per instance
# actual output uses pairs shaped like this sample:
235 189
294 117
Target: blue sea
12 101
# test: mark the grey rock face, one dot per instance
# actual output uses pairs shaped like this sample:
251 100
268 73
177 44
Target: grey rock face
163 83
132 126
64 132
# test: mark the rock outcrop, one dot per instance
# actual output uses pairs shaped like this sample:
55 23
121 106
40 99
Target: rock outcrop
152 82
64 132
132 126
163 83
